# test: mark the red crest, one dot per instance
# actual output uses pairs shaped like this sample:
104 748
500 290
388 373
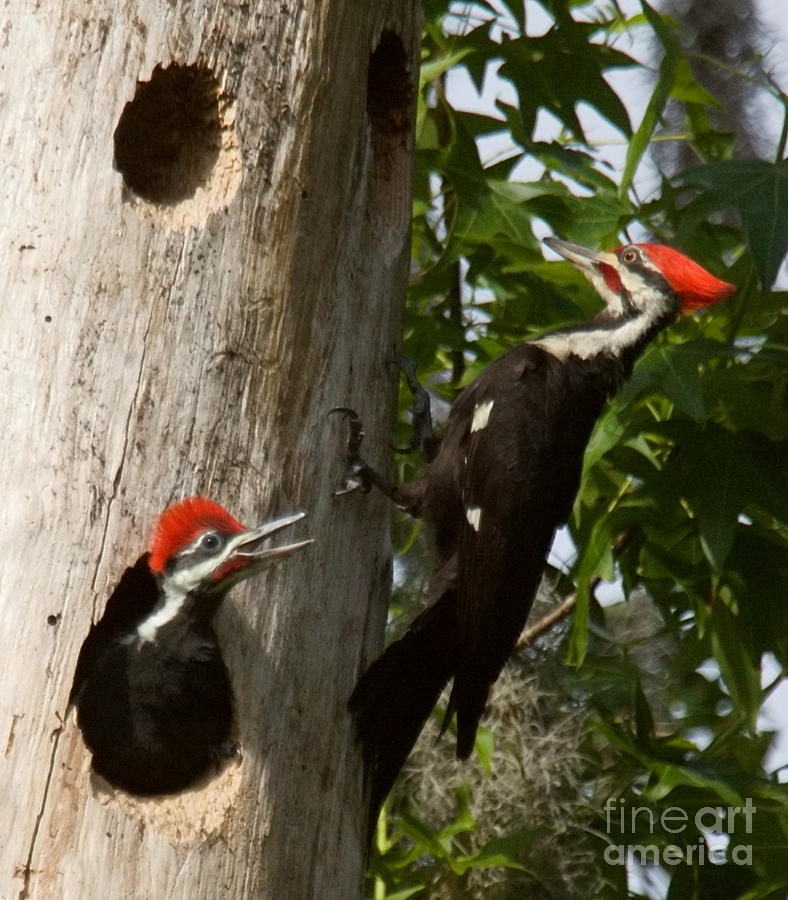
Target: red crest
693 285
182 523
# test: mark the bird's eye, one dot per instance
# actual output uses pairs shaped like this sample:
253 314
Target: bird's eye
630 255
210 541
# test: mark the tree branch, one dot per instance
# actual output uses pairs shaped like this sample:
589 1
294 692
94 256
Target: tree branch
530 634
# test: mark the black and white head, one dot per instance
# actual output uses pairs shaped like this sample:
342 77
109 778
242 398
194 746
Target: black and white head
199 550
644 286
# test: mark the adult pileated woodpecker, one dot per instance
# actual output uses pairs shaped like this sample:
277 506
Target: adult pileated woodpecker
152 692
502 478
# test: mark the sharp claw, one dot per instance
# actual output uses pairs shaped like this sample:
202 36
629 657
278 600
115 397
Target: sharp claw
357 471
352 483
358 474
346 490
356 432
408 368
414 443
402 362
419 409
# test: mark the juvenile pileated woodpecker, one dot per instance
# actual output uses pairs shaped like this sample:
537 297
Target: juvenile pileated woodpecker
151 689
500 481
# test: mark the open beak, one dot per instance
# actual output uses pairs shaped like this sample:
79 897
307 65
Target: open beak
586 260
248 544
245 554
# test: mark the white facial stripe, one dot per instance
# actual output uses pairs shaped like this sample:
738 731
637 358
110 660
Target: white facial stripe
165 612
474 516
175 588
481 415
189 579
194 544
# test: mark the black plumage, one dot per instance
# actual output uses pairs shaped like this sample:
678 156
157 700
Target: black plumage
150 735
151 689
502 479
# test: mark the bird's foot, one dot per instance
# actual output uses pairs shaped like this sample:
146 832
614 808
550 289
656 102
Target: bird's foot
358 473
420 411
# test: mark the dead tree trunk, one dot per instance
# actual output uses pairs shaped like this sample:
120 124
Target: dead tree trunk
205 227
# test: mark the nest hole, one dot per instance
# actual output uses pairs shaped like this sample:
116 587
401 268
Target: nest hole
389 88
169 137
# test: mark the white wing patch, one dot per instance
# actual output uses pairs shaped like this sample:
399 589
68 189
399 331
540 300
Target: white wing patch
481 415
474 516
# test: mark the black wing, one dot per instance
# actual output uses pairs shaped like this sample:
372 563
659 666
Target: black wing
520 472
134 597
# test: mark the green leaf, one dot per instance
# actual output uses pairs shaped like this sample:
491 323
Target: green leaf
477 124
434 10
758 190
740 673
674 370
651 118
766 890
663 31
515 192
659 97
501 851
516 9
434 68
597 223
722 473
423 835
745 403
687 89
483 746
609 430
595 560
670 776
559 70
644 721
485 51
404 893
666 775
575 164
689 459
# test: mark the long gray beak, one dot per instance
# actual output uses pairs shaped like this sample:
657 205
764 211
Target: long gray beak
579 256
248 544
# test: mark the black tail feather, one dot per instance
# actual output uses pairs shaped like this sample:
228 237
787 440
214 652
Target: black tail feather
468 699
397 693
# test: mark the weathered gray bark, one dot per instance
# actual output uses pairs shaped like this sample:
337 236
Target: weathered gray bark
194 343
